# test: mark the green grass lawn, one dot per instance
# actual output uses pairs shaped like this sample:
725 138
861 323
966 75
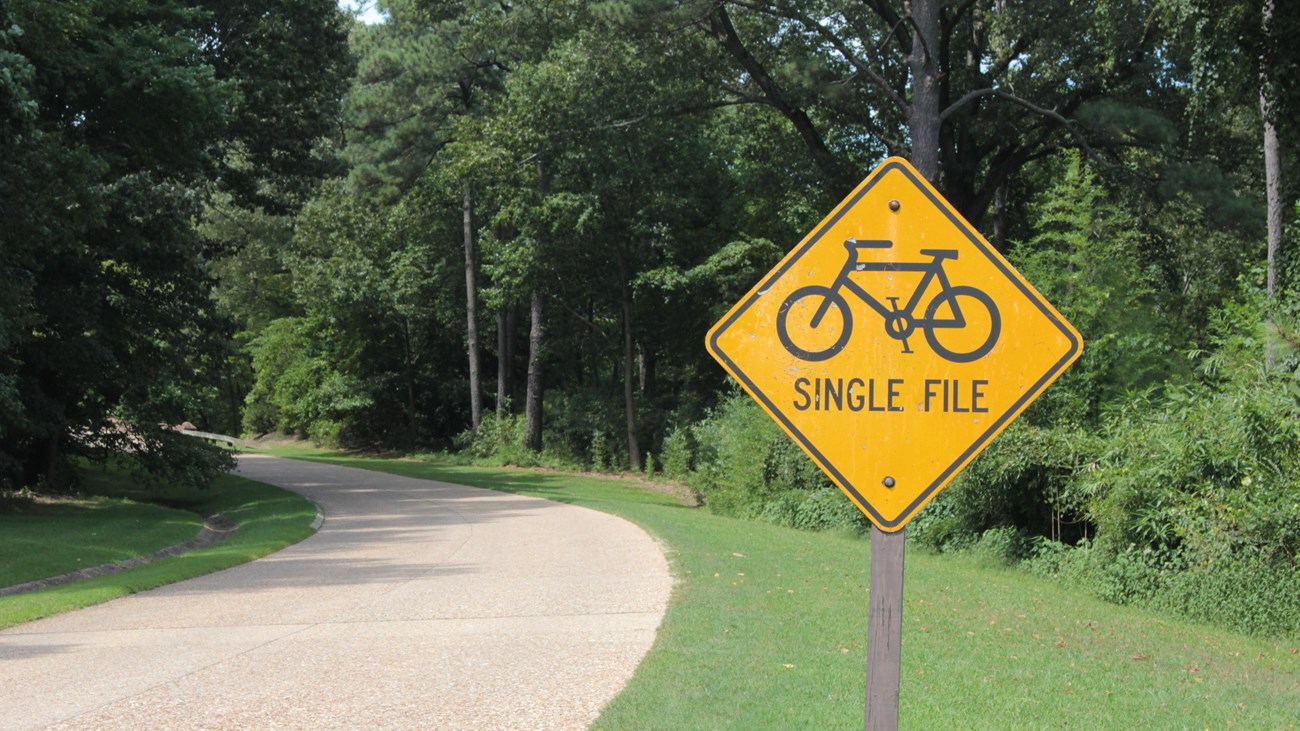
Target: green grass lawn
44 538
767 630
38 540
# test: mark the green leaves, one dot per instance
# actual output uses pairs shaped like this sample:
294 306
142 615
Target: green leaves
287 66
121 117
299 388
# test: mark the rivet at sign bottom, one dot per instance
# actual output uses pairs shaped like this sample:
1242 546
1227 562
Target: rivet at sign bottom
889 482
894 205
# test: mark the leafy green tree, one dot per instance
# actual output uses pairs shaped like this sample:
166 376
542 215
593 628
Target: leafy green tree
288 66
419 71
628 179
294 380
1089 259
1244 56
971 91
119 126
384 289
121 120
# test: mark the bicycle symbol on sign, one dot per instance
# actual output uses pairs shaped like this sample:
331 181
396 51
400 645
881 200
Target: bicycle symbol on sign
900 322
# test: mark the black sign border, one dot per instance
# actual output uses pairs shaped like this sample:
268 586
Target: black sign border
982 441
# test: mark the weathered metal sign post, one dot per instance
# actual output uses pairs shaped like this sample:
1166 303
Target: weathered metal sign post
893 344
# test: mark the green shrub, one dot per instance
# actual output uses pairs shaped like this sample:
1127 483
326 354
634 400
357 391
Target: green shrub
1247 590
260 416
829 509
161 457
1053 559
733 440
581 424
563 453
600 452
1022 480
297 387
1004 546
941 526
783 509
1201 468
744 460
499 440
678 458
787 467
1131 575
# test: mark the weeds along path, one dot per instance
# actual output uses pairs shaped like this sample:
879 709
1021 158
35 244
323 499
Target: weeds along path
418 605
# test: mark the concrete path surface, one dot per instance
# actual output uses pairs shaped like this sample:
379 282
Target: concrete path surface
418 605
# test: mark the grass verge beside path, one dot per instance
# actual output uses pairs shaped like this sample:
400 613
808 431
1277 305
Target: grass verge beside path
269 519
41 538
767 630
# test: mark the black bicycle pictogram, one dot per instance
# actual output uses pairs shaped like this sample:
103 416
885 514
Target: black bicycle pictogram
900 322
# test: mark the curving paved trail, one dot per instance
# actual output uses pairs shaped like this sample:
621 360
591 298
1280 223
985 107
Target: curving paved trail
418 605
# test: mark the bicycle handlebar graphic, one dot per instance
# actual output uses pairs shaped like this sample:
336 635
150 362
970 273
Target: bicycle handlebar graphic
900 322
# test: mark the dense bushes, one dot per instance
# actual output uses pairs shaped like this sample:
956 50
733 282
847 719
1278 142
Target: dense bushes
1021 480
1199 497
1187 499
298 389
747 467
166 458
1184 498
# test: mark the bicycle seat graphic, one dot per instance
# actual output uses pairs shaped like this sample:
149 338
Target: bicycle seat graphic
945 315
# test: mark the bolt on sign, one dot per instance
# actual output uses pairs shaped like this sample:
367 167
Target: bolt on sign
893 344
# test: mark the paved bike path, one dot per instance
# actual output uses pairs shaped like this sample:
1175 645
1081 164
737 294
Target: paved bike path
418 605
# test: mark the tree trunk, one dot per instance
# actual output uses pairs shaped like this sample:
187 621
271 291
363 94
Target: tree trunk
408 376
231 379
1000 218
503 340
471 315
923 112
590 347
40 463
512 326
629 368
533 397
649 371
1272 183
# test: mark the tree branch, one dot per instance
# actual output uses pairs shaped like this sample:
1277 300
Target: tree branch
1001 168
583 319
860 65
725 33
1001 65
929 54
1051 114
679 112
895 22
957 14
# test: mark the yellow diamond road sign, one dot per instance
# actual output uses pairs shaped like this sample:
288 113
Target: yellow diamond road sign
893 343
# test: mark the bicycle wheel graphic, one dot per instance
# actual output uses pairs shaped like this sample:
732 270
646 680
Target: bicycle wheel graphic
972 328
814 339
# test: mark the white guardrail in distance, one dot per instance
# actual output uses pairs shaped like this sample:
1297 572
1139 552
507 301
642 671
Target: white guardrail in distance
214 437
